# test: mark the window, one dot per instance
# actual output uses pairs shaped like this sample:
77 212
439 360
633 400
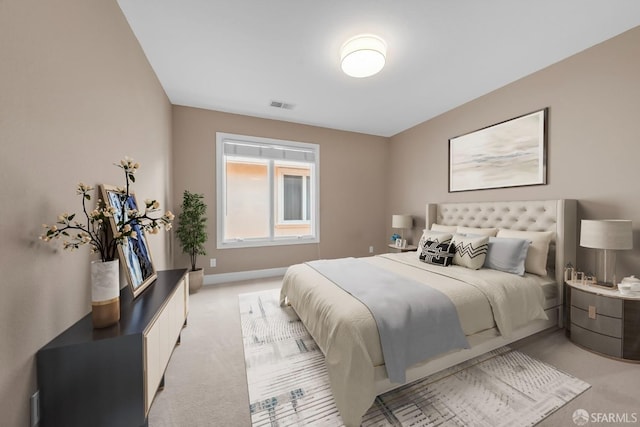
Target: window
267 191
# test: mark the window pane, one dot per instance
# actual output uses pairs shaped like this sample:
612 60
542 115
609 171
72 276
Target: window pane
247 195
292 198
292 220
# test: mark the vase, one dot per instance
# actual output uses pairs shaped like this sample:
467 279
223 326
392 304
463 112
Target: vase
196 278
105 293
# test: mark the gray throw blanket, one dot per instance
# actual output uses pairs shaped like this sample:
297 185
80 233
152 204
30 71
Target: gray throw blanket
415 321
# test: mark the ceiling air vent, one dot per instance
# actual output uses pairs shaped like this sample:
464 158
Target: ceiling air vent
282 105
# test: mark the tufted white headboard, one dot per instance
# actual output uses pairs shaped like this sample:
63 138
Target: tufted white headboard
559 216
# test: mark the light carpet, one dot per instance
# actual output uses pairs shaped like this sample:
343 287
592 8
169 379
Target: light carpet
289 385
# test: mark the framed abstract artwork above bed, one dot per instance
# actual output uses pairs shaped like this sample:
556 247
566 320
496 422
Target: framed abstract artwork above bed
508 154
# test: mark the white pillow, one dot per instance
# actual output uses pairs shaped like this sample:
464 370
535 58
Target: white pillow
470 251
491 232
507 254
433 236
444 228
536 261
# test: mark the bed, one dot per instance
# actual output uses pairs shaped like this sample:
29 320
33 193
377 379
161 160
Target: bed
346 332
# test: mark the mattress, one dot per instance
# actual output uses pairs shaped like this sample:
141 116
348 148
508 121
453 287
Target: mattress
550 291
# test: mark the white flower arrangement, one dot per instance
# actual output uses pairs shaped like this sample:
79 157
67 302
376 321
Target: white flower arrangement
95 230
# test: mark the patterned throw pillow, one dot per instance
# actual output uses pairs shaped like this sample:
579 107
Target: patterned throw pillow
434 236
437 253
470 251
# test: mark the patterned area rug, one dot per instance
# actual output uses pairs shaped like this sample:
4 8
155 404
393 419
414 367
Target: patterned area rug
289 385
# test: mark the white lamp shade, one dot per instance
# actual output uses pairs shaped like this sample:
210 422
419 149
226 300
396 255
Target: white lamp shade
606 234
363 55
401 221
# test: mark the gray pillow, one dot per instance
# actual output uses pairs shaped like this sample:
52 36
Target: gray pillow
536 261
507 254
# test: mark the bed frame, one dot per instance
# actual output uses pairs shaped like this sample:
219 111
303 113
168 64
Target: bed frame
559 216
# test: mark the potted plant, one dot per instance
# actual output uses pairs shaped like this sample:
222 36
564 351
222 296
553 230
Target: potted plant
192 233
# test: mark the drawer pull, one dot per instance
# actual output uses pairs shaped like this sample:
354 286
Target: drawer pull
592 312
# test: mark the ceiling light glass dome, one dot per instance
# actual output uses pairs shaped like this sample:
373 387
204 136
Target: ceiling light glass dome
363 55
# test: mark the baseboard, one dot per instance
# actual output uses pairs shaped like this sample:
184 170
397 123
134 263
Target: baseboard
216 279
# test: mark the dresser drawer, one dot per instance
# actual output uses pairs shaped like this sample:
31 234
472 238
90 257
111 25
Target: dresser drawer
611 307
602 324
596 342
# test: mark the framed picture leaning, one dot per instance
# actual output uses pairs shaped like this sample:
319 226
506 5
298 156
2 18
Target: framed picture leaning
134 254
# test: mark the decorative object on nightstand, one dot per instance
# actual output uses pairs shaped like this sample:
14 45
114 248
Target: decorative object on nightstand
569 271
401 222
607 236
630 286
603 320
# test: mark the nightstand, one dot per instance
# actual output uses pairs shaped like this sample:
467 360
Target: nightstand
603 320
405 249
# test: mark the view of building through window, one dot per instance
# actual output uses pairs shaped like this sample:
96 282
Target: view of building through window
248 199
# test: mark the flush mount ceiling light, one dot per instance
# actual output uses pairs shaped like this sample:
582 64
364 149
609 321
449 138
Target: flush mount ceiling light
363 55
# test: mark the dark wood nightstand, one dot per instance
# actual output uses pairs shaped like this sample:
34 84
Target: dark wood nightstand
603 320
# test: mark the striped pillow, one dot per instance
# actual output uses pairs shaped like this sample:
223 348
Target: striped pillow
470 251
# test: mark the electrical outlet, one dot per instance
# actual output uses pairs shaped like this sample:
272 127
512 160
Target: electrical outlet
212 262
35 409
370 249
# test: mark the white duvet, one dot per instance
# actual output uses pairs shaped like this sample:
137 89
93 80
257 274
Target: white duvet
346 332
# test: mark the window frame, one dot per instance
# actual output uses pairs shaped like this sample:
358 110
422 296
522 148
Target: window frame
271 240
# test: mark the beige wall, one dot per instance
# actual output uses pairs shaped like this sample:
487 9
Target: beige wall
76 95
594 141
353 187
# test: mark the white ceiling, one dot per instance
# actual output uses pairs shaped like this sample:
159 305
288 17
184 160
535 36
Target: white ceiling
239 55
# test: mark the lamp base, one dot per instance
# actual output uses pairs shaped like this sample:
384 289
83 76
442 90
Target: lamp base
606 267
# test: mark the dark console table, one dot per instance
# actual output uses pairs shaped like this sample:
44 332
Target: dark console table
109 377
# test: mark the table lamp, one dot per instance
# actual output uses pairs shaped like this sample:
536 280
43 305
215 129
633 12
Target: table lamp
402 222
607 236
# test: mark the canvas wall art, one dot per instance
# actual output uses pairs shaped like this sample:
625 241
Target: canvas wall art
508 154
